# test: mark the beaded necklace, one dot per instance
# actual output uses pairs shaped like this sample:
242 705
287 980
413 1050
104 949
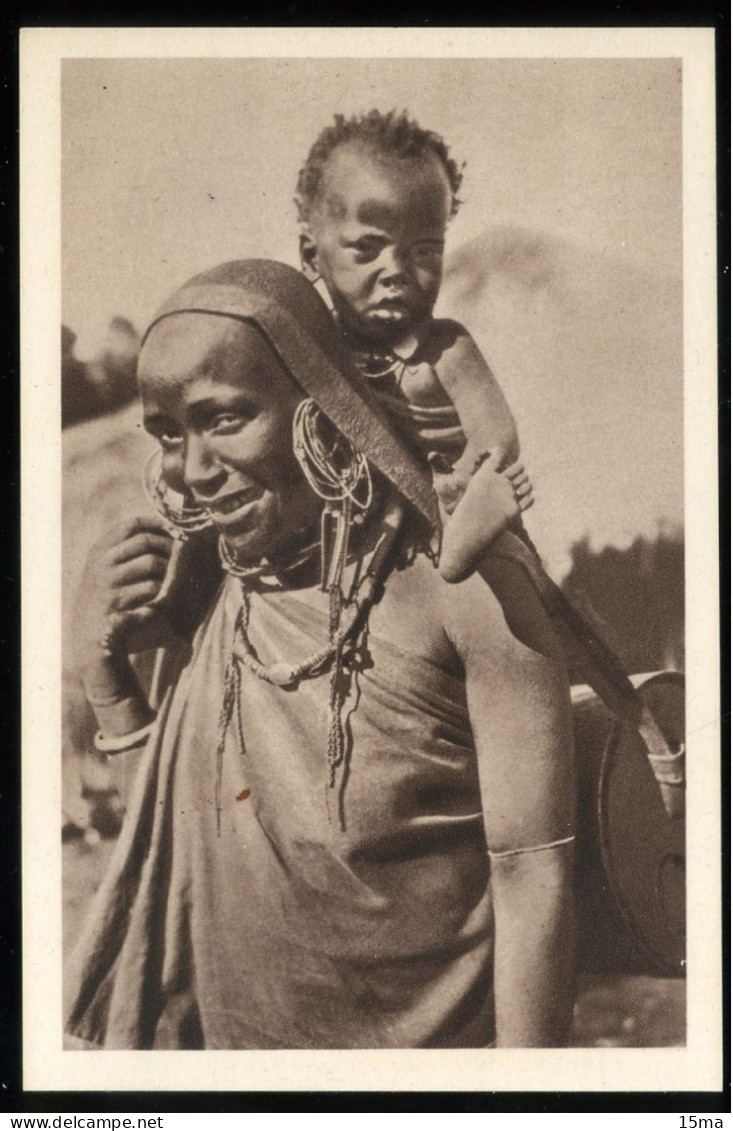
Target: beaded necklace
338 474
264 575
374 364
339 654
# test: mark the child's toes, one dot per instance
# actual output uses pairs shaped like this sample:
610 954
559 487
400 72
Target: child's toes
514 471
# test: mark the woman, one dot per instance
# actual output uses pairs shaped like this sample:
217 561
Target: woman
347 748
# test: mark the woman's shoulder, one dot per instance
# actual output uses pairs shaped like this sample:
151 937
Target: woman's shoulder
419 611
408 613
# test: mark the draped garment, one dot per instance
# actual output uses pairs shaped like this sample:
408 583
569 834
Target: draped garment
279 924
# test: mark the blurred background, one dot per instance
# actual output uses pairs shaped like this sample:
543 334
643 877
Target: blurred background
564 261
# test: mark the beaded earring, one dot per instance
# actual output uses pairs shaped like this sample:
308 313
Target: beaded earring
182 518
338 474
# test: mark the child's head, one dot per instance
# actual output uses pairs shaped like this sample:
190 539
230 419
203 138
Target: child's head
374 198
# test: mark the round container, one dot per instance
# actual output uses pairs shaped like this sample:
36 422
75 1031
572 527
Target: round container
630 879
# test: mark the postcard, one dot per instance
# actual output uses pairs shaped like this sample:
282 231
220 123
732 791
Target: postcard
543 202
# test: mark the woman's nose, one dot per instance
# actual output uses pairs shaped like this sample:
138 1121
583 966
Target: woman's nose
201 470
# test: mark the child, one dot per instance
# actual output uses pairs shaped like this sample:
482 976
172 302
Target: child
374 199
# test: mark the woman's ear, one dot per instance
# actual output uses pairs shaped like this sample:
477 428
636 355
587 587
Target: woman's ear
309 254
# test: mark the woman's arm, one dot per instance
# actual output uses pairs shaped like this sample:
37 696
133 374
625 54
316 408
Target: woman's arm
534 959
114 616
519 706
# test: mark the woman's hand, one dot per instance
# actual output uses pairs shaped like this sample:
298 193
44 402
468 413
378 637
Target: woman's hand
115 612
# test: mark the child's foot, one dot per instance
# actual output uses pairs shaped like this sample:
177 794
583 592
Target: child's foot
491 501
522 485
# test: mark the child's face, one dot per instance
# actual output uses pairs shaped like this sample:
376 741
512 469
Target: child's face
375 236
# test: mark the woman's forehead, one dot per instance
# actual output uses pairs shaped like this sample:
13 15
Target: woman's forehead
191 344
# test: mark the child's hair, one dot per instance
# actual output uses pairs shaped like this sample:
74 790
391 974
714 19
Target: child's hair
391 134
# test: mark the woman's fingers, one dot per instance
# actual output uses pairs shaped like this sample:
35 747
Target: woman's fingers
131 537
137 545
140 524
143 568
123 577
133 552
135 630
132 596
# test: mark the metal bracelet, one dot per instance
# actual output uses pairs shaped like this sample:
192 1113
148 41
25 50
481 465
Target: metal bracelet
118 744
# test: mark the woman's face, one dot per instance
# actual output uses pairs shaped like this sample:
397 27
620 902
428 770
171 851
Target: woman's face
220 404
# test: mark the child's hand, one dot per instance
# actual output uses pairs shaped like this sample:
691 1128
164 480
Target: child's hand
450 484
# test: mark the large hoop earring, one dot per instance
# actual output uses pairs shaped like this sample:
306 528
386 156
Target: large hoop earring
339 474
334 468
184 520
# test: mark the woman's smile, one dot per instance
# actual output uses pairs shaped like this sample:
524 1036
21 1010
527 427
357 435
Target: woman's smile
231 508
220 403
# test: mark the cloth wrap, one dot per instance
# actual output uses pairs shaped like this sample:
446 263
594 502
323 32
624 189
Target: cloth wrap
284 930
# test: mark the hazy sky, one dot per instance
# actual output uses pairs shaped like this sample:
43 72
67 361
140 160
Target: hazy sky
170 166
570 234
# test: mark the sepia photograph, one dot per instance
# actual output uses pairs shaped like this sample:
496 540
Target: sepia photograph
372 513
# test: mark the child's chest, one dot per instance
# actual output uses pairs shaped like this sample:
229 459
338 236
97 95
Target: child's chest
418 383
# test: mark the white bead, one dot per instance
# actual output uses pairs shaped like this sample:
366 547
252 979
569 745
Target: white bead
280 674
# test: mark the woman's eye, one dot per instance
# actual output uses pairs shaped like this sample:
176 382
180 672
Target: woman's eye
169 441
227 421
427 250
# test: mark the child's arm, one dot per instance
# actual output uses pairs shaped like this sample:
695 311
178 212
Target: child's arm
481 406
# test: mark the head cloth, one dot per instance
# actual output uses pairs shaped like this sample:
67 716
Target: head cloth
300 329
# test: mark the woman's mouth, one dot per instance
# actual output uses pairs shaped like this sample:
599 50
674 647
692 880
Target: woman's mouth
229 507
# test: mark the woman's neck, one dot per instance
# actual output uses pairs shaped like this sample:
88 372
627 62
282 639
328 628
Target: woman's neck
303 561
